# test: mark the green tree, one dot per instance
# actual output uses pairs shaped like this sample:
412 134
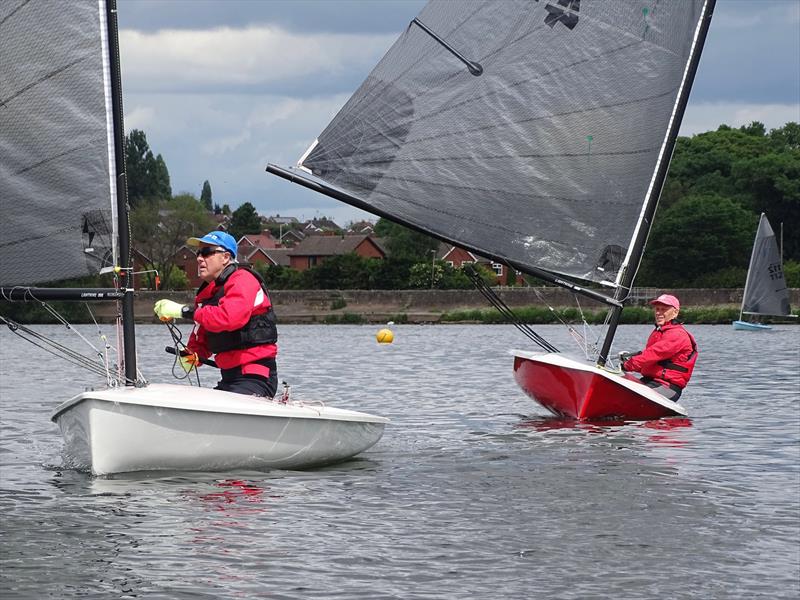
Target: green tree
426 275
205 196
786 137
160 227
404 243
148 176
773 183
698 235
343 272
244 220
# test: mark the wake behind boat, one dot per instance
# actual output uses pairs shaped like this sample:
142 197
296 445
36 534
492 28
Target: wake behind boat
536 134
65 215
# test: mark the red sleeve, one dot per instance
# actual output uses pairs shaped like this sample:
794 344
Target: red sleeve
670 344
234 308
197 343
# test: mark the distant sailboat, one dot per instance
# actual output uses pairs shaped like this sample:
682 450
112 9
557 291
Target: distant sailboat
537 134
765 291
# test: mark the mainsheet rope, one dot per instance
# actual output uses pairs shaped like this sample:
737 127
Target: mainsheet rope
178 371
506 311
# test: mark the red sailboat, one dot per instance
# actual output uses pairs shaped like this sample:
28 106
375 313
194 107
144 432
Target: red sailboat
581 390
536 134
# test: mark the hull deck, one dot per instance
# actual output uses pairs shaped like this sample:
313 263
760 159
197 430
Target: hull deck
578 390
179 428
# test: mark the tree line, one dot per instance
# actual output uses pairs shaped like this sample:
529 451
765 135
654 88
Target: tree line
718 184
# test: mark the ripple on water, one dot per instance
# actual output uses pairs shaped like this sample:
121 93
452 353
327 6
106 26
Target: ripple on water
472 492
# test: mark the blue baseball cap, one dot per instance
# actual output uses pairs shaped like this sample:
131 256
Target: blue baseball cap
215 238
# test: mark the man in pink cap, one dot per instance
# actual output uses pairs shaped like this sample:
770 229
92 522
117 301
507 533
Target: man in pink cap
668 359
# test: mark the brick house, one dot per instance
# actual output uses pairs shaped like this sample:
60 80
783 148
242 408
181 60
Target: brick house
458 257
261 240
264 256
314 249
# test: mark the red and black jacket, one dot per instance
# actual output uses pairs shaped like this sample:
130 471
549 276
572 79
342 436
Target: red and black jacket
668 357
235 319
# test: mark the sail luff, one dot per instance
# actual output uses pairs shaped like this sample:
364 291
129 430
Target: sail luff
645 223
110 131
121 196
747 281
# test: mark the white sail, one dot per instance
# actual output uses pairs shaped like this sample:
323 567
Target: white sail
765 291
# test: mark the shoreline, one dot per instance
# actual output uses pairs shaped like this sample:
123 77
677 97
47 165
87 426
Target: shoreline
457 306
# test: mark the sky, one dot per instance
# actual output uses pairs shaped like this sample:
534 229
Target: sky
223 87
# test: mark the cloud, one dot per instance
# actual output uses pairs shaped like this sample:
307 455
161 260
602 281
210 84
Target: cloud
141 117
246 58
708 116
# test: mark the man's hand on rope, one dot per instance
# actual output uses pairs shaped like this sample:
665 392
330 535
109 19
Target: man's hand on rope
189 361
167 310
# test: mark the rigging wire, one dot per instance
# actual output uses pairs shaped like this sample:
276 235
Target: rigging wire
506 311
56 349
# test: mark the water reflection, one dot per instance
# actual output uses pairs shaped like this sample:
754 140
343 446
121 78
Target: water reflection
667 428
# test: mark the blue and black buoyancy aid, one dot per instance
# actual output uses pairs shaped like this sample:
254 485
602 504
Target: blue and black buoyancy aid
260 330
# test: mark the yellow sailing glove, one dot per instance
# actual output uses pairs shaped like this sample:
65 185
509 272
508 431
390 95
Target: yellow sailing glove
189 361
166 310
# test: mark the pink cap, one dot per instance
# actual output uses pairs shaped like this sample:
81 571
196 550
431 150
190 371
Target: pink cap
668 300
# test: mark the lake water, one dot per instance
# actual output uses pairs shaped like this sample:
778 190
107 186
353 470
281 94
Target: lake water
472 492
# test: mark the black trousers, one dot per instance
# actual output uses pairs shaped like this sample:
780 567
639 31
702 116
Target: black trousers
670 392
252 385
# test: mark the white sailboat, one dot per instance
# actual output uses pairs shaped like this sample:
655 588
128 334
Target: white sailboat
65 215
537 134
765 292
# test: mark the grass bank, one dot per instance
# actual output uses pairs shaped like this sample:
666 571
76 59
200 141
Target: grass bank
708 315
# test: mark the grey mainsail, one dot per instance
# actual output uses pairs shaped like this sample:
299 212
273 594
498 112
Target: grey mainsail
765 291
547 158
57 157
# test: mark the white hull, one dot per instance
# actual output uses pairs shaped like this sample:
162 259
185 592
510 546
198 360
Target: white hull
174 427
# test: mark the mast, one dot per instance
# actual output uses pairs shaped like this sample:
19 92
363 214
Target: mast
125 255
643 231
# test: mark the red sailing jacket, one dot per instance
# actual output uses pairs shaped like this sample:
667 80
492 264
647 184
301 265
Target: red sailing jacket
243 298
668 357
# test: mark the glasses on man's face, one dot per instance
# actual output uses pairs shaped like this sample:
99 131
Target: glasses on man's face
207 251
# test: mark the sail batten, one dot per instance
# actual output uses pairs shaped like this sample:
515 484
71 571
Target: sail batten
547 157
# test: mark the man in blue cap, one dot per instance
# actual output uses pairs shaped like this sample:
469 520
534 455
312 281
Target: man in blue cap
234 319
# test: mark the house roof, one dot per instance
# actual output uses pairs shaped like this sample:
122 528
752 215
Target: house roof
280 256
260 240
331 245
321 224
361 227
445 249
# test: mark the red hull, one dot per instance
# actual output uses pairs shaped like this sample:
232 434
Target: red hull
571 389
